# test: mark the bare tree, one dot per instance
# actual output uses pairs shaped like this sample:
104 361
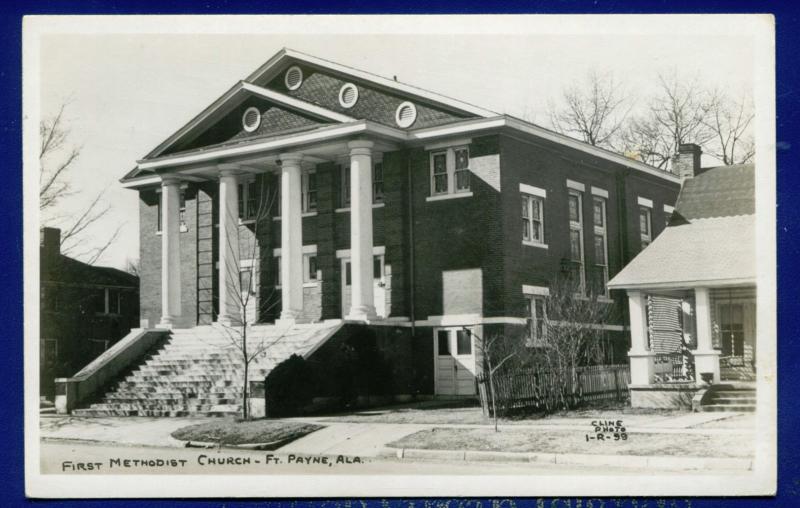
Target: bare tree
132 267
676 114
729 122
573 337
594 112
57 157
242 288
496 352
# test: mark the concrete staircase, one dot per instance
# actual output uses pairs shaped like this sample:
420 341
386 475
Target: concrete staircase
198 371
737 398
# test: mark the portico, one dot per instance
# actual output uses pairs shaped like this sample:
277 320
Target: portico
288 169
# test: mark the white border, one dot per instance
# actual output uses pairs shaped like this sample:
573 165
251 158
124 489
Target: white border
532 190
644 202
762 481
578 186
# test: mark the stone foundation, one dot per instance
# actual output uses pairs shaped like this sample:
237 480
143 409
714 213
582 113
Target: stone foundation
664 396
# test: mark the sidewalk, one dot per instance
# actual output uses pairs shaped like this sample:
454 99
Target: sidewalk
369 440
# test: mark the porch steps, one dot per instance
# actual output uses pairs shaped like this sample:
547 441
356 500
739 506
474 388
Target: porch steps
730 398
198 371
736 373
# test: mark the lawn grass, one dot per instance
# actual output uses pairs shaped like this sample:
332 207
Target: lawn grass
233 432
543 441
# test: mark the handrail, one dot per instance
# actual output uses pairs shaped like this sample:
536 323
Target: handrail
70 392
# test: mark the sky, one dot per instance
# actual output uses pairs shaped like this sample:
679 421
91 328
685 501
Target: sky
126 91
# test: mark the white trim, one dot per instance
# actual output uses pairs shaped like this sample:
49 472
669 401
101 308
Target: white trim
688 284
440 145
533 191
572 184
378 250
346 209
286 100
669 209
322 134
286 77
272 66
342 90
441 197
597 191
644 202
309 249
276 252
535 290
307 214
455 320
409 121
531 243
251 128
593 326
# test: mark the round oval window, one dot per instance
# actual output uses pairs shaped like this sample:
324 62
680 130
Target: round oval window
251 119
406 114
293 78
348 95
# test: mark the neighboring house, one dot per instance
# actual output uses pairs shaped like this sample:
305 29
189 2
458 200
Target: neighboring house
394 206
83 310
692 293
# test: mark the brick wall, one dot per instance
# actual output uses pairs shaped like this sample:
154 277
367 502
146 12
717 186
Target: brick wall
149 258
548 166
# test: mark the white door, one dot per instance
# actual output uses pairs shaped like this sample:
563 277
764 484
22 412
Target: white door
379 285
248 285
455 361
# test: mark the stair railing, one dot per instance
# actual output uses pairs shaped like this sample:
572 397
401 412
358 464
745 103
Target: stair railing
72 391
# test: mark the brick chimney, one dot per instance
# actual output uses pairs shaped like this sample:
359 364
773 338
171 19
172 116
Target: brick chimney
686 163
50 242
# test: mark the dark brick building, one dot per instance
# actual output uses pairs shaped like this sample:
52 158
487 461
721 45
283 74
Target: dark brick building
365 199
84 309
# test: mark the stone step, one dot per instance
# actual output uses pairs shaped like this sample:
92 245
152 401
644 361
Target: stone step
727 407
201 401
141 406
734 400
97 413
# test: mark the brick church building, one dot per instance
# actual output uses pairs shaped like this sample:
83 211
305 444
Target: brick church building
332 195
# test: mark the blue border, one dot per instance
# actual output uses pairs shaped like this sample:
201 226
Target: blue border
788 213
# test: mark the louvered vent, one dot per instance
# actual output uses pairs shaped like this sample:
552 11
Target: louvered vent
406 114
251 119
348 95
294 78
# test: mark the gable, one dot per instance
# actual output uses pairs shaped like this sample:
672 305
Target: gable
274 120
322 88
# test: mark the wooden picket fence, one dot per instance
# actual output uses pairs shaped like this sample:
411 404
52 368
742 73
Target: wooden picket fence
532 389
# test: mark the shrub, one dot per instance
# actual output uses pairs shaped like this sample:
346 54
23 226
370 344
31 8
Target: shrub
290 387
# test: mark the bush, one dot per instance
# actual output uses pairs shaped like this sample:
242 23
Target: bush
290 387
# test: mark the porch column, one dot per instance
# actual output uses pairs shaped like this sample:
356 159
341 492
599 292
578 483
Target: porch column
291 238
641 357
170 252
706 358
229 311
362 306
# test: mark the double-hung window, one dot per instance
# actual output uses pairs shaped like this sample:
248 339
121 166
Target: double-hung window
309 191
377 182
181 211
532 219
450 173
536 319
310 268
577 271
248 199
344 194
645 226
600 275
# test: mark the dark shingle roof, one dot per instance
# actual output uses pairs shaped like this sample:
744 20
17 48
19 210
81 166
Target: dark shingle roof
66 270
718 192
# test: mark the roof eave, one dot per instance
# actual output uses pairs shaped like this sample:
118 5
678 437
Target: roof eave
689 284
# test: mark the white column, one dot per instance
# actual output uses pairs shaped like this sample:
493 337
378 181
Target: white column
228 262
170 252
641 357
362 306
706 358
291 238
